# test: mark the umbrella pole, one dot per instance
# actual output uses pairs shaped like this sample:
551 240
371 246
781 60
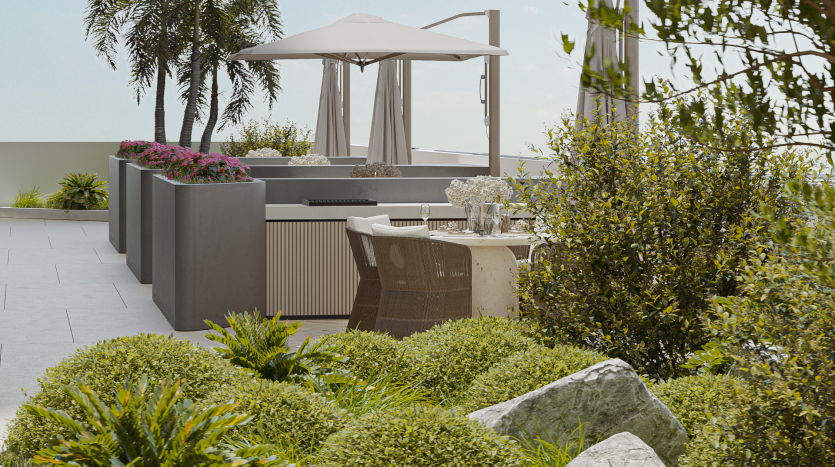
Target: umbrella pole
406 85
493 99
346 105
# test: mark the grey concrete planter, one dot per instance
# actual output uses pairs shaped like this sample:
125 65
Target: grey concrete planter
285 160
209 253
54 214
116 187
139 220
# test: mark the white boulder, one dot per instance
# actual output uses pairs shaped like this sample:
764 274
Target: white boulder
607 398
621 450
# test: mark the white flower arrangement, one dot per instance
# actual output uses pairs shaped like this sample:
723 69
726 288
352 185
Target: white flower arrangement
309 159
264 152
477 191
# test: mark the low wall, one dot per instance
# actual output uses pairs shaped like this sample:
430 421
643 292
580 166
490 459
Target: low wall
342 171
382 190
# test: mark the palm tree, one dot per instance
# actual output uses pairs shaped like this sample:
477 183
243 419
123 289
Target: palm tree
227 28
194 70
151 42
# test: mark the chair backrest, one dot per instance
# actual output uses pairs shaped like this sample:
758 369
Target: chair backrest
418 264
363 224
363 252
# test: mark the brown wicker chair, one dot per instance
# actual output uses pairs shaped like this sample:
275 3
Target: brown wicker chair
424 283
364 312
521 252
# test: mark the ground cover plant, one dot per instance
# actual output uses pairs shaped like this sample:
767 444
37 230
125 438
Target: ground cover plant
642 231
79 191
196 167
31 198
288 139
148 425
104 366
158 156
131 149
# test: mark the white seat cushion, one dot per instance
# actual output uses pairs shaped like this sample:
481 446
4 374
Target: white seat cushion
363 224
415 231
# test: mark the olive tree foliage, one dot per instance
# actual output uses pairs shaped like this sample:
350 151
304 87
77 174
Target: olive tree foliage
776 67
641 232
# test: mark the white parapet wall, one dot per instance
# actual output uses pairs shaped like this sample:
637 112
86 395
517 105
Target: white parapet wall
29 164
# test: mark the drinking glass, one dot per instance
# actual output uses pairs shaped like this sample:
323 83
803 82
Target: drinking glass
424 213
496 215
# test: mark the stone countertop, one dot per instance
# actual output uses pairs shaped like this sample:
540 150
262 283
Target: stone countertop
487 241
286 212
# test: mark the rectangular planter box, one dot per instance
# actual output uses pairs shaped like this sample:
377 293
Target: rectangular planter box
209 254
139 220
116 216
285 160
54 214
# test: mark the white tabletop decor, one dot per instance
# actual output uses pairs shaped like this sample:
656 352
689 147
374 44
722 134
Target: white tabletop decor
309 159
476 196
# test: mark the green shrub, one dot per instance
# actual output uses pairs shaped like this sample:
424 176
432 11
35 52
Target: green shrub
780 335
283 411
148 426
104 367
54 200
368 353
259 346
378 391
32 198
450 356
79 191
525 371
641 232
417 436
15 459
289 140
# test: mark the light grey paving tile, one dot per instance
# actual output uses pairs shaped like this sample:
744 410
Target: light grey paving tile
72 241
23 364
20 273
5 230
3 288
316 328
53 256
94 273
136 295
4 256
40 296
96 229
25 242
32 326
43 231
6 221
111 257
91 325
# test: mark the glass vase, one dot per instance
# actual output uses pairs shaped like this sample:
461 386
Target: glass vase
478 219
468 211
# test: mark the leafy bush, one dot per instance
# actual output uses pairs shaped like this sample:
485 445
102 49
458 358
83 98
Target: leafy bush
700 403
79 191
417 435
284 411
641 232
377 392
32 198
368 352
132 149
148 428
288 139
196 167
525 371
780 335
104 366
374 170
450 356
157 156
15 459
259 346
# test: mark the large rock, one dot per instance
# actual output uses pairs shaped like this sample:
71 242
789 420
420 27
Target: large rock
607 398
621 450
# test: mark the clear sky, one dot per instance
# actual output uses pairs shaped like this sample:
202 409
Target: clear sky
54 88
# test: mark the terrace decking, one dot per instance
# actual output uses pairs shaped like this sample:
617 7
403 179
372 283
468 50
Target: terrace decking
63 286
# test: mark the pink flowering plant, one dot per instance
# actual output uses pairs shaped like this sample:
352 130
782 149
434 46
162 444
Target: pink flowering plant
196 167
157 156
131 149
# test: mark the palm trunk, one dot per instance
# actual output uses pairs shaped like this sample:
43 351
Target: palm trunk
159 113
206 141
191 106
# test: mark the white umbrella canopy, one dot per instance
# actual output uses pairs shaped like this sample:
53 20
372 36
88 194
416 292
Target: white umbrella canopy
363 39
593 104
387 142
330 130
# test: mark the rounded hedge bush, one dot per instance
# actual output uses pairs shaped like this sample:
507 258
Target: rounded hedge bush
282 410
416 436
450 356
368 352
104 366
525 371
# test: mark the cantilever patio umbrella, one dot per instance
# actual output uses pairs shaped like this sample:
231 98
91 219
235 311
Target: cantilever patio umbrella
593 104
330 132
362 39
387 142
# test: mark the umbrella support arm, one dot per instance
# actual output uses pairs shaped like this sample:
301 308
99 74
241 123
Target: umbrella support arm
360 62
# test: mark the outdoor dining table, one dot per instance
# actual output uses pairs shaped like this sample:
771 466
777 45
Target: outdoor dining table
494 270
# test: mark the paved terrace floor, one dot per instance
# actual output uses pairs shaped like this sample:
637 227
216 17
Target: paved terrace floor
63 286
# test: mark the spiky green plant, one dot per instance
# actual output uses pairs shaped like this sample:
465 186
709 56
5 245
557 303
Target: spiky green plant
147 427
259 346
80 191
32 198
382 390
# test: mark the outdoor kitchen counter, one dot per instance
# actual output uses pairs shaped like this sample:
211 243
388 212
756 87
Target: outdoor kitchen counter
411 211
